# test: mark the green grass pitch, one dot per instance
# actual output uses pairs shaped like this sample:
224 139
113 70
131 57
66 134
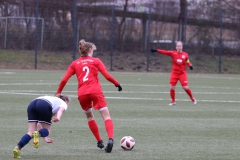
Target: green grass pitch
209 130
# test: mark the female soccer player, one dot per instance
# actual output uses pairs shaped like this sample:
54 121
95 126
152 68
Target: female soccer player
90 94
41 111
179 73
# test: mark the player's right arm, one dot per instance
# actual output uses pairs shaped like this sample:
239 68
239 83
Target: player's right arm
65 79
161 51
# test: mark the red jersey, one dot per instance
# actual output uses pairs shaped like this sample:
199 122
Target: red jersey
179 60
86 69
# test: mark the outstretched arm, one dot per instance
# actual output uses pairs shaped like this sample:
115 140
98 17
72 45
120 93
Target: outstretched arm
161 51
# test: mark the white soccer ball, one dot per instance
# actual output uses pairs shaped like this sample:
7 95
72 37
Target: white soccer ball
127 143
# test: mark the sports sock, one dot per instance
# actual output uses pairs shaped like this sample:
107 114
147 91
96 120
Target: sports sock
43 132
172 94
94 128
189 92
109 128
23 141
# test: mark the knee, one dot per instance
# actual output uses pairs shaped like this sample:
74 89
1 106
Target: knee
90 119
90 116
43 132
172 87
185 87
107 118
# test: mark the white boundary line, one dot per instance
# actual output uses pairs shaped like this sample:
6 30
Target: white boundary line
127 98
125 92
107 84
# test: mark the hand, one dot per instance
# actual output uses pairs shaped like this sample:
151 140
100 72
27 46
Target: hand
57 94
153 50
55 119
119 88
191 67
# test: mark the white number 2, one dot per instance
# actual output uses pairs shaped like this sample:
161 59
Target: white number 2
85 78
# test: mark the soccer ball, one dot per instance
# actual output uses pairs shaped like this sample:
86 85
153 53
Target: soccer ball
127 143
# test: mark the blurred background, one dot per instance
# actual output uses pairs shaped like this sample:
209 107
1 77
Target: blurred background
43 34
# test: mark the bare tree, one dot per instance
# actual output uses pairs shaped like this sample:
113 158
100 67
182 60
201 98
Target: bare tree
122 26
232 14
182 20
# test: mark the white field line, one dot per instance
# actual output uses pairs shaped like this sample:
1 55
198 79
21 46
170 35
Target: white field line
109 84
125 92
158 74
123 98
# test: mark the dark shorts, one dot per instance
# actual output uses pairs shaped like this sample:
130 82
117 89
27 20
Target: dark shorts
39 111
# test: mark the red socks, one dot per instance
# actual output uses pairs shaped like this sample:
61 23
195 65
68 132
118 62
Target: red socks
172 94
94 128
109 128
189 92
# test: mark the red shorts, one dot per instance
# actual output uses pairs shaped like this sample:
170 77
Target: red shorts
174 78
97 101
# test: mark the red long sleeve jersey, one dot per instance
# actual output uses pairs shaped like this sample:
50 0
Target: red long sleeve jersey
86 69
179 60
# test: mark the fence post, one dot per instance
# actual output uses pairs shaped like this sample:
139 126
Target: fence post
148 37
36 34
5 37
112 39
74 29
185 28
42 33
220 41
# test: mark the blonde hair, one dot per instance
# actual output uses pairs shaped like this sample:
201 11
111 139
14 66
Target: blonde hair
83 46
179 42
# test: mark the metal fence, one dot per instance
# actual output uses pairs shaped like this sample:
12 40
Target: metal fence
21 30
124 36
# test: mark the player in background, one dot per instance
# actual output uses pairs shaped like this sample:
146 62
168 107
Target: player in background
90 94
41 111
179 61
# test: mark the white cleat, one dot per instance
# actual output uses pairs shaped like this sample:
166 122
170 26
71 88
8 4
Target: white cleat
194 101
172 103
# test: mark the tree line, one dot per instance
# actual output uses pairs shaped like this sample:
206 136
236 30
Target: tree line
56 19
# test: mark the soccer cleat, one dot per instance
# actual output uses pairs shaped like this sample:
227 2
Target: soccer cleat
109 147
194 101
35 139
16 152
172 103
100 144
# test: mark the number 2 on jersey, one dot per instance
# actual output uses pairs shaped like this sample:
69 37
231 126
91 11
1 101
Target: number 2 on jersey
85 68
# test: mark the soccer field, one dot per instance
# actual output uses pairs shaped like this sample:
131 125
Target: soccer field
209 130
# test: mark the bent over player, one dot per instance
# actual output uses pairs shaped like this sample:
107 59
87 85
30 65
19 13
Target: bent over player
41 112
90 94
179 61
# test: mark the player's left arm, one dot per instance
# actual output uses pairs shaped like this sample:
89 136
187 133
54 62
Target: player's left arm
59 115
102 69
189 64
